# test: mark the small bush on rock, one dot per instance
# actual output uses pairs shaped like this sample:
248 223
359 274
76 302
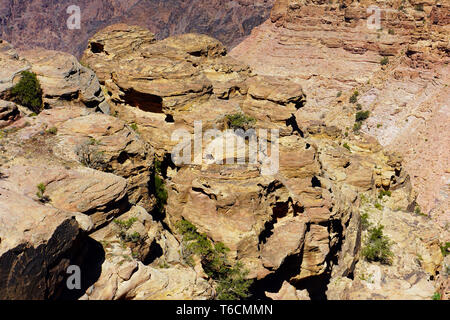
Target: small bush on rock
240 121
362 115
365 223
378 246
230 279
27 92
384 61
124 226
89 156
160 194
384 193
354 97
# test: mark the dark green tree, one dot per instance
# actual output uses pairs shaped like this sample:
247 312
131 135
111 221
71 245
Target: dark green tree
27 92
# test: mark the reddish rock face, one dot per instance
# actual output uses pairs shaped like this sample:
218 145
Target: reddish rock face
328 48
38 23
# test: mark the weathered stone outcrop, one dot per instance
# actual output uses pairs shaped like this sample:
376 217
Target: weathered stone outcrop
313 197
66 175
297 222
8 113
288 292
162 277
335 48
63 80
37 244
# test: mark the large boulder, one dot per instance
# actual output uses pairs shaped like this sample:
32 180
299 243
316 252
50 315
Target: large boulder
64 81
37 244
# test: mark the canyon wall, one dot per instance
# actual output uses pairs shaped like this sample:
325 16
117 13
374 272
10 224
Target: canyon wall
42 23
78 181
332 48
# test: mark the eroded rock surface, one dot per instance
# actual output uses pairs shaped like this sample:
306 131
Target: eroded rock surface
298 229
323 169
333 49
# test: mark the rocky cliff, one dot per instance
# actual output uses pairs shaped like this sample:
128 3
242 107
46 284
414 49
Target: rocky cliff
42 23
80 182
399 68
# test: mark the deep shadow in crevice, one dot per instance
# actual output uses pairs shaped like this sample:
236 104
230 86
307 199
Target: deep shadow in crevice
97 47
292 122
279 210
316 286
300 104
154 253
298 209
159 213
274 281
123 156
316 182
169 118
90 261
144 101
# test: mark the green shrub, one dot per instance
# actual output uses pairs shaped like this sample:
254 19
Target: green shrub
358 106
384 193
27 92
40 193
384 61
240 121
41 190
234 286
339 94
362 115
135 237
365 221
436 296
160 194
346 146
444 249
419 212
230 279
158 168
364 199
125 224
378 246
135 128
354 97
418 7
52 130
391 31
378 206
357 127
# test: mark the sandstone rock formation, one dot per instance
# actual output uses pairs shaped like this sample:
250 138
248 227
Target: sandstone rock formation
167 85
62 79
66 175
334 48
297 224
8 113
37 244
288 292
